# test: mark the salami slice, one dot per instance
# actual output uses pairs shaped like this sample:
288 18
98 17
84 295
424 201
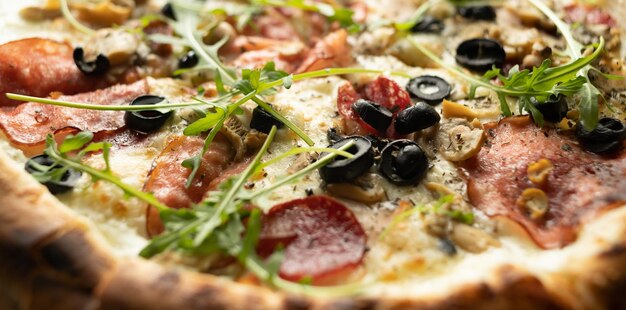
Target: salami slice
322 238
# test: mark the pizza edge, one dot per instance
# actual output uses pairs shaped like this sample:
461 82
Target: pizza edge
56 255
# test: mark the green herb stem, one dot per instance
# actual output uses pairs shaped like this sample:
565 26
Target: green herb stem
299 150
98 107
65 9
325 73
318 164
107 176
217 217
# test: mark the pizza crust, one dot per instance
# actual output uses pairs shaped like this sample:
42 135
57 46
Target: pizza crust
56 256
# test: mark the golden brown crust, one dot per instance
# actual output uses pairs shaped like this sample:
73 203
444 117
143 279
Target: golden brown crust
55 257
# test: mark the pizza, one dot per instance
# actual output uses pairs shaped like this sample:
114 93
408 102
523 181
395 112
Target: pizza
292 154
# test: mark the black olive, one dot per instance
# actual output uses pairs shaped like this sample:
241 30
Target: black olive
263 120
428 24
431 89
480 54
343 169
96 67
477 12
378 143
189 60
146 121
418 117
403 162
447 246
68 179
333 136
168 11
553 110
606 137
373 114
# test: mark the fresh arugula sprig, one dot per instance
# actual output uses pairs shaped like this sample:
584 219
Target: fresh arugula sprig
334 13
542 82
205 219
70 152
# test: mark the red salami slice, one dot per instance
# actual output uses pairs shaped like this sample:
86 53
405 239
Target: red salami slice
580 186
382 91
168 177
28 124
323 238
37 67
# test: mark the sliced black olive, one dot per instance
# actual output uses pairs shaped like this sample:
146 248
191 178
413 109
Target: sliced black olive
431 89
373 114
477 12
332 136
428 24
343 169
146 121
68 179
378 143
168 11
553 110
189 60
480 54
403 162
606 137
96 67
263 120
418 117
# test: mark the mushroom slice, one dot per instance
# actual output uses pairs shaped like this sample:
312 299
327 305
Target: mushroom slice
116 44
472 239
106 12
458 140
367 189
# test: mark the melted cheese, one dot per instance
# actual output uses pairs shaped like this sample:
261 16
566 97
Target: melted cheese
406 262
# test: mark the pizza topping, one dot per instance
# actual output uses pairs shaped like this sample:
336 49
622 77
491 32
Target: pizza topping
343 169
168 11
263 121
322 239
373 114
480 54
366 188
605 138
189 60
458 139
428 24
38 67
533 202
472 239
553 109
579 186
28 124
431 89
56 178
416 118
98 66
146 121
403 162
478 12
382 91
539 171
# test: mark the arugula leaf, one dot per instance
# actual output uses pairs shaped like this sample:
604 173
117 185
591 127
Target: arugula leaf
66 161
333 13
75 142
